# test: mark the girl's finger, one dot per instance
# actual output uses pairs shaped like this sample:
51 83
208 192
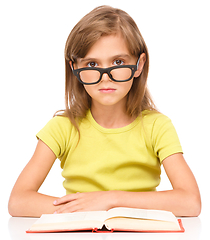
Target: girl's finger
68 208
65 199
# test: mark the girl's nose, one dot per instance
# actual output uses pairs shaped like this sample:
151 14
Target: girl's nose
105 77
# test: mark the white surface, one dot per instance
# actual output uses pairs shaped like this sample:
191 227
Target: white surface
33 35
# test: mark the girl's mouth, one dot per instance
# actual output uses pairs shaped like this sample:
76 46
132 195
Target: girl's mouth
107 90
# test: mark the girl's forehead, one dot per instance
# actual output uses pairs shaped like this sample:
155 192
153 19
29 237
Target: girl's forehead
109 46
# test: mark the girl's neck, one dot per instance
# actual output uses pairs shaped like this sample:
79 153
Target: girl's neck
110 116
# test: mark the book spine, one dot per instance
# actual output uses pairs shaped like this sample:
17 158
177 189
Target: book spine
96 230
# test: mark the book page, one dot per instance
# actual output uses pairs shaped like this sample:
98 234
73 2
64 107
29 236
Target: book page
133 224
72 217
142 214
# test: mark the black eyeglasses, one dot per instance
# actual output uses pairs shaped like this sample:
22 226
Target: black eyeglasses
90 75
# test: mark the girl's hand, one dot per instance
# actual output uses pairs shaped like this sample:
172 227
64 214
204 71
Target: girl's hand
90 201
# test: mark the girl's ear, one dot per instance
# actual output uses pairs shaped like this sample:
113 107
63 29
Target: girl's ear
142 60
71 64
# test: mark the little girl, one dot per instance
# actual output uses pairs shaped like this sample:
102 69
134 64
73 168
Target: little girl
110 139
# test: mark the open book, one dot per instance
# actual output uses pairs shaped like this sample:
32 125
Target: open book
115 219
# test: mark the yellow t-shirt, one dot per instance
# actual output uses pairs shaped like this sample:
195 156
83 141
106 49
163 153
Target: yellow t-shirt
127 158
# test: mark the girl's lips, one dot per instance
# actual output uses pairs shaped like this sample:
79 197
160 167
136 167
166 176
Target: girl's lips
107 90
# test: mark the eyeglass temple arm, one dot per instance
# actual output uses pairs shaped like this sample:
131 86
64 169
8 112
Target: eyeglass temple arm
137 65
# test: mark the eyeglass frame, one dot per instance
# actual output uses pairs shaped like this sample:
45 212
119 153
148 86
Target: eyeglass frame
76 72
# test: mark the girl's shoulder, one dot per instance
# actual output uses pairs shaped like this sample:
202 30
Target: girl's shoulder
62 122
160 134
60 119
57 126
154 117
57 134
157 123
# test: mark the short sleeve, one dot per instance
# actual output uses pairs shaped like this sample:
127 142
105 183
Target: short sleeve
164 138
54 134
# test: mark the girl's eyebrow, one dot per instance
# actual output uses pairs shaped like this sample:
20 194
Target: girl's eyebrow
111 58
122 56
87 59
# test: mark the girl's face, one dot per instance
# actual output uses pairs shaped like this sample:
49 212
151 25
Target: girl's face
109 51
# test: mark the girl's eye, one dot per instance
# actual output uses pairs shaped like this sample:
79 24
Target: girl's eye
118 62
92 64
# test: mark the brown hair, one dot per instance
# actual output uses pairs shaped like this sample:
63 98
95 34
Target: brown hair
103 21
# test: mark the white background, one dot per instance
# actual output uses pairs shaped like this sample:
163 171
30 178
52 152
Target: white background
32 40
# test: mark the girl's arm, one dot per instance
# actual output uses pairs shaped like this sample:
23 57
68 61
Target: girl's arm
24 199
183 200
